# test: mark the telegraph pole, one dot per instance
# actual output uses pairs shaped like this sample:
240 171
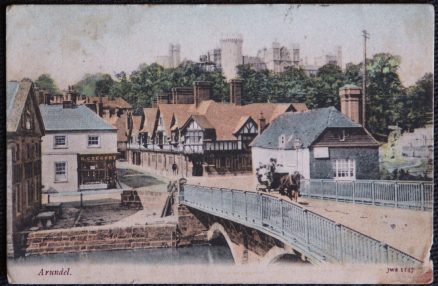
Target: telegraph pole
366 36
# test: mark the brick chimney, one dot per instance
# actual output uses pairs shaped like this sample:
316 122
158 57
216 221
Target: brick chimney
202 91
262 123
351 102
236 91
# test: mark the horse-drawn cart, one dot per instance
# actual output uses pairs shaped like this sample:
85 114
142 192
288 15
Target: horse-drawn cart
274 178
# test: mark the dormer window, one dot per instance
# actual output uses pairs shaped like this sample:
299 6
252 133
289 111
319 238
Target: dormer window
341 135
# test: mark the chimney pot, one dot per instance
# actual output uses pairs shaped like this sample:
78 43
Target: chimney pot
351 102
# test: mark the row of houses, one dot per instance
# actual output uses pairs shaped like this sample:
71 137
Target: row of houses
204 137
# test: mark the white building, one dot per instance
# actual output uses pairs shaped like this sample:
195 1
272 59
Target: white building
78 150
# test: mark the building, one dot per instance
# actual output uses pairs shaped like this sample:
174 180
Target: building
25 128
173 59
278 57
79 149
320 144
330 58
202 136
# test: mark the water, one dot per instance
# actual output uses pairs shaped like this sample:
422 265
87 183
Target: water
195 255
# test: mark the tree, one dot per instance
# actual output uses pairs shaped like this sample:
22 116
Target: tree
384 93
417 104
46 82
328 81
94 84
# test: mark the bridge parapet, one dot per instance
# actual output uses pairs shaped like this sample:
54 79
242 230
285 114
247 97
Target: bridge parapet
317 237
400 194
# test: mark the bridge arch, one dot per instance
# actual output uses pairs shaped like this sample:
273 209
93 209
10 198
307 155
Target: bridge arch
217 229
276 253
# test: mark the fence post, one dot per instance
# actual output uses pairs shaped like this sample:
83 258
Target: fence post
281 216
373 193
48 199
338 229
246 206
232 203
322 189
81 200
261 208
306 227
396 194
336 190
222 201
354 187
385 253
423 203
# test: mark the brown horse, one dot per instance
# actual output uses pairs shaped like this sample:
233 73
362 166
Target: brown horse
290 185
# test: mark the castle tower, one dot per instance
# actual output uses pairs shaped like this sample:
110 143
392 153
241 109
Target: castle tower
231 55
296 54
339 56
351 102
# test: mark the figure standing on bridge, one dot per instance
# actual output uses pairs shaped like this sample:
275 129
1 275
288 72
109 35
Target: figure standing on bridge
175 168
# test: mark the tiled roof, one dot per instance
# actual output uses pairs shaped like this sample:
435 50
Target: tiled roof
202 121
136 124
11 92
150 115
57 118
223 117
306 126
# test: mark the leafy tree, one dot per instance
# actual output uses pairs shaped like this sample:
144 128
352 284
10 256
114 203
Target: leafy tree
384 93
94 84
46 82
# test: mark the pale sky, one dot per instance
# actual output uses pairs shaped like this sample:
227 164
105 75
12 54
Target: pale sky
69 41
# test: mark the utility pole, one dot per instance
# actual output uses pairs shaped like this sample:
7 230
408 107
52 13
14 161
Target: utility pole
366 36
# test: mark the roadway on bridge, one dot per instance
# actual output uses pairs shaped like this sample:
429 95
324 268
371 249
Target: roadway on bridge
407 230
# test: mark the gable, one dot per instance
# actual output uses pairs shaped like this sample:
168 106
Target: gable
345 137
24 115
248 127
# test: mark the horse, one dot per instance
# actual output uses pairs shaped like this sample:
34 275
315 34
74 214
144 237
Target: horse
290 185
263 178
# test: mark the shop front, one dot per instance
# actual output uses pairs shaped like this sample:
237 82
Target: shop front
97 171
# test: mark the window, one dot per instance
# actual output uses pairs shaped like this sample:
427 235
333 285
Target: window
93 141
60 171
17 153
37 149
344 169
60 141
29 151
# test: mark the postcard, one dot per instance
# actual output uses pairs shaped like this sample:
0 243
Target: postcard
220 143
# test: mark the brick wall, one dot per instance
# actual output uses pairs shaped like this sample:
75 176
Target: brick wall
95 239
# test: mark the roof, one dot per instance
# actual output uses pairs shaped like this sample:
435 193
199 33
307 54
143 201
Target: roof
202 121
305 126
136 124
150 115
117 102
349 86
121 124
57 118
225 118
240 123
17 94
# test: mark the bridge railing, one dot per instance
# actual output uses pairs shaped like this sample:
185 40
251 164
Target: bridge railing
309 232
401 194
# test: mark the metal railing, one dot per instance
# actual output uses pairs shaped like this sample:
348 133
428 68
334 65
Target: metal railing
312 234
400 194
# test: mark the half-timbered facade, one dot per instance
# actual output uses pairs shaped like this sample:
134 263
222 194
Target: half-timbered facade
24 131
205 137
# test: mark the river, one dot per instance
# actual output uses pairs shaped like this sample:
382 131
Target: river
200 254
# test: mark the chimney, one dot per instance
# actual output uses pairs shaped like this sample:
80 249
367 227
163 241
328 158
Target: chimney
67 104
100 106
262 123
236 91
202 91
351 102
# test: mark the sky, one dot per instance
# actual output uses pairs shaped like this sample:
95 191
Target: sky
69 41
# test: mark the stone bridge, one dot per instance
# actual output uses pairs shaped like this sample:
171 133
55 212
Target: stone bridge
262 228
